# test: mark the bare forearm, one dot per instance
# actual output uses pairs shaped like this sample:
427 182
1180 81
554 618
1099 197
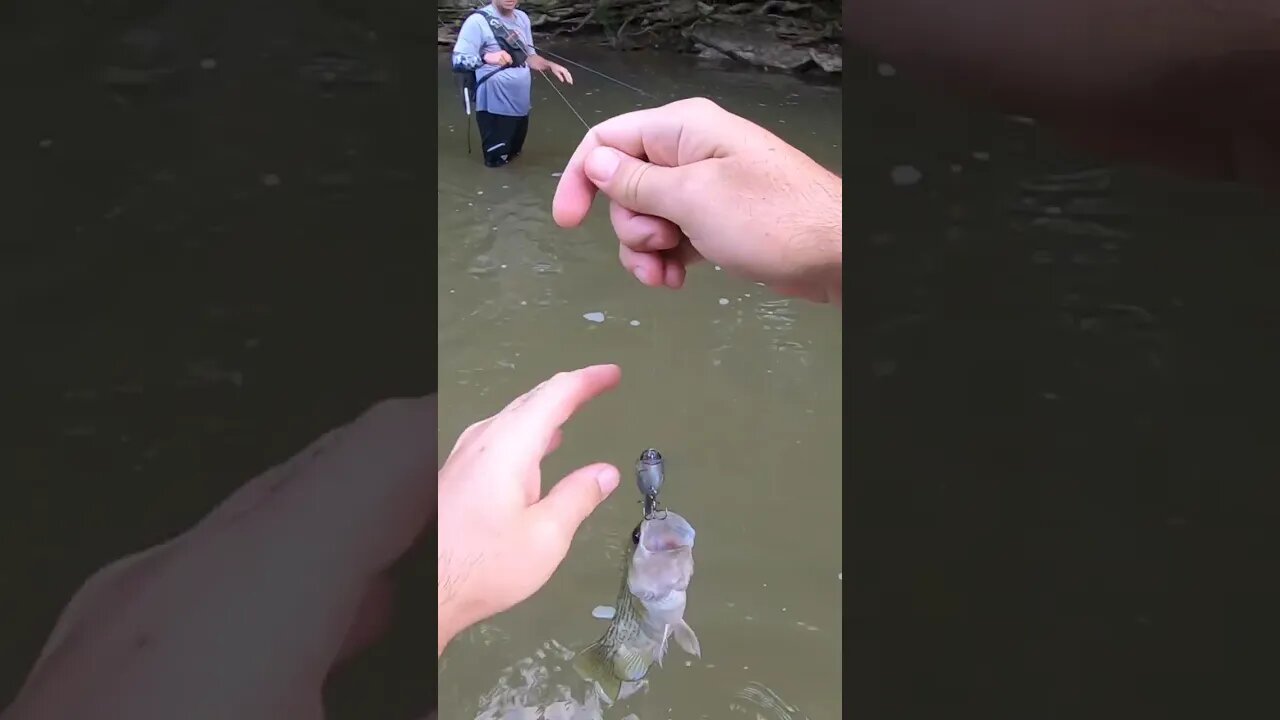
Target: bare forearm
835 273
449 621
823 235
443 636
539 63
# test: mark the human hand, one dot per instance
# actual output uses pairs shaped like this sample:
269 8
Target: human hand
561 74
690 180
499 538
499 57
245 614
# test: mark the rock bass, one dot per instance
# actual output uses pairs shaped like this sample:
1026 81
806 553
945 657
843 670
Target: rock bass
657 568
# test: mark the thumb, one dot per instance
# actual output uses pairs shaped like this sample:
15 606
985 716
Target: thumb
575 497
638 186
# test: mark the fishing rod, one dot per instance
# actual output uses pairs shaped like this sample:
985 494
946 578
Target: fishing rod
473 86
510 43
513 44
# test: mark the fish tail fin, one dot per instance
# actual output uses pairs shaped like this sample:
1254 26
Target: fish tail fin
595 666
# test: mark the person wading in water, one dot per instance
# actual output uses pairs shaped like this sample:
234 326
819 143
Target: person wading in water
494 53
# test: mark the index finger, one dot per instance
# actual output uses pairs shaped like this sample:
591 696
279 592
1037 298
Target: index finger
530 423
675 134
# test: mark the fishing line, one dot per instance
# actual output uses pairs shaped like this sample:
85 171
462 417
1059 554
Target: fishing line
658 367
654 334
597 72
565 99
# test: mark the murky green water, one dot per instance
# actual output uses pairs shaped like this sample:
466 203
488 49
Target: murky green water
1065 370
738 388
1064 378
199 276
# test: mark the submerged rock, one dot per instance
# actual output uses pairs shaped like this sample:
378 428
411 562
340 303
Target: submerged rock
752 44
829 62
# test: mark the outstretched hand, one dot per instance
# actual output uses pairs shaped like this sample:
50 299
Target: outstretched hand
500 539
562 74
245 614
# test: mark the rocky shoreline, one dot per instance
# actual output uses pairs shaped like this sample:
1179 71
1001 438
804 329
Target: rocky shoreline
775 35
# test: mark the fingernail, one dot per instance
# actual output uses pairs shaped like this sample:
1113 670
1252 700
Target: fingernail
607 478
601 164
639 273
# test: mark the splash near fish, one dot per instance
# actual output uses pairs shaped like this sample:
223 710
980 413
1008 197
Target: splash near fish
649 612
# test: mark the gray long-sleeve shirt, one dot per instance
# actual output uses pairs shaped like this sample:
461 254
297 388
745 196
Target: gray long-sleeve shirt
509 92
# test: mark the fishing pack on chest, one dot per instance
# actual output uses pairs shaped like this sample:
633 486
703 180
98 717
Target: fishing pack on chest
507 38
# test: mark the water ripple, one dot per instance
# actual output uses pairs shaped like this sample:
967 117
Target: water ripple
757 695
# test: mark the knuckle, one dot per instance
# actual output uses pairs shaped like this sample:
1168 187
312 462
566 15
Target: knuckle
469 435
634 183
699 105
474 428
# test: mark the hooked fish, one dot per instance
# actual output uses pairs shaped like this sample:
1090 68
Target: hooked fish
650 475
649 611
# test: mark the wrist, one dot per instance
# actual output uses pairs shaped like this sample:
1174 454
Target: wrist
820 235
829 274
452 617
834 275
446 627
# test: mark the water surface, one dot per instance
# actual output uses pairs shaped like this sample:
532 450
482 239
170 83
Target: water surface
200 275
739 389
1065 399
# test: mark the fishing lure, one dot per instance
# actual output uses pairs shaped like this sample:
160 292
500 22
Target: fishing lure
650 474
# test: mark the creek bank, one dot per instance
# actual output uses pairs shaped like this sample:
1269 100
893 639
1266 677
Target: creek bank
776 35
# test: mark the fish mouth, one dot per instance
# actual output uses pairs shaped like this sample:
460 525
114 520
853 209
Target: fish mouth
650 457
669 533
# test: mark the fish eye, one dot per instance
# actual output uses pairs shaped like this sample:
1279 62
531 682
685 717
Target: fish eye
635 536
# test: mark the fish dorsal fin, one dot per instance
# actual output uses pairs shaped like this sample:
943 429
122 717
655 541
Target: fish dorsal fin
686 638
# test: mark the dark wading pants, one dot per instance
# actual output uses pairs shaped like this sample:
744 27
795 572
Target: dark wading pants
501 136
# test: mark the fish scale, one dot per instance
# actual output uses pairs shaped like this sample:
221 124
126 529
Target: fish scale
649 609
626 619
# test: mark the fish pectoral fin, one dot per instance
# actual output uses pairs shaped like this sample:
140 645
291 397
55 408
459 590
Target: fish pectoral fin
686 638
631 664
660 651
594 665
